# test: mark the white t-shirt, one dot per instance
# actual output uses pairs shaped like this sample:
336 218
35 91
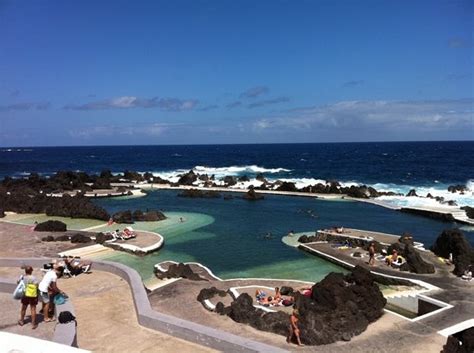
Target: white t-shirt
48 278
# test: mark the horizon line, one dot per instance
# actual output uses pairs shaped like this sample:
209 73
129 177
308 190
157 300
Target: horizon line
238 144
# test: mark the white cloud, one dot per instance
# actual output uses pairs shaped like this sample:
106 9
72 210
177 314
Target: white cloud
420 115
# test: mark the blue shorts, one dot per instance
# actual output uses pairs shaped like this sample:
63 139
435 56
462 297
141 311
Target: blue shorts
44 297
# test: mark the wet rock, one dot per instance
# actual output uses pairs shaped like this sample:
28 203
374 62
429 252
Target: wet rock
2 213
429 196
230 180
196 193
188 179
244 178
457 188
123 217
251 195
412 192
51 226
261 177
48 238
454 242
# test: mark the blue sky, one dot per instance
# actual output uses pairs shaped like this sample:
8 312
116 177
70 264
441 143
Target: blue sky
198 72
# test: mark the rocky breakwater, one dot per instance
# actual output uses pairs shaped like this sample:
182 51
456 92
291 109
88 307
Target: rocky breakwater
453 244
340 307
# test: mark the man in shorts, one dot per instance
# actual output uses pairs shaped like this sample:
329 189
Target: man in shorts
48 289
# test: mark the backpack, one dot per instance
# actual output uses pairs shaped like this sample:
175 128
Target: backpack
31 290
65 317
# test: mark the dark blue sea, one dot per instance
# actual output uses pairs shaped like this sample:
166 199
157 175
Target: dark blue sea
401 163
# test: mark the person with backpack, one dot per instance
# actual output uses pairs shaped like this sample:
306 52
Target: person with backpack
30 297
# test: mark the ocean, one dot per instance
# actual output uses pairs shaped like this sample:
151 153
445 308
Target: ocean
429 167
228 235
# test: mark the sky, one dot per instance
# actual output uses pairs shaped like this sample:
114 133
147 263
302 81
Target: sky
210 72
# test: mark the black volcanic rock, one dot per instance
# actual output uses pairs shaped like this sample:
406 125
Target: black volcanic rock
414 261
360 192
133 176
460 342
177 271
469 211
261 177
230 180
244 178
454 242
123 217
340 307
80 238
251 195
188 179
457 188
412 192
51 226
2 213
102 238
149 216
196 193
74 207
286 186
101 183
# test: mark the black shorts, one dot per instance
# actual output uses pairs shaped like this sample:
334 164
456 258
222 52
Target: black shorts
29 301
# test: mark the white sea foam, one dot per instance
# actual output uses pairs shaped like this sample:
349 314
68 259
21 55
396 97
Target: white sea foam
237 170
436 189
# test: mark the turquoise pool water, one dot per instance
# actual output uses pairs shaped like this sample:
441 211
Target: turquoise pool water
228 236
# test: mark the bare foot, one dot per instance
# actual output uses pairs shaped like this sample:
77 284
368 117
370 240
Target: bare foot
20 322
34 326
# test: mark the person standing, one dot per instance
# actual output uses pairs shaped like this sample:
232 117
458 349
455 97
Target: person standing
30 297
48 289
372 254
293 328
